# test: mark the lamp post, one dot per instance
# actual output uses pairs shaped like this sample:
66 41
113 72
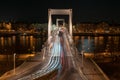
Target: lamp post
14 62
82 52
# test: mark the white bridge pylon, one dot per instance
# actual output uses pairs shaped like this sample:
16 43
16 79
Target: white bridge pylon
57 21
59 12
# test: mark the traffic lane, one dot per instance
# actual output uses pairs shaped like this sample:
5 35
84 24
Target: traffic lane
28 72
70 74
51 65
25 73
24 68
68 71
55 54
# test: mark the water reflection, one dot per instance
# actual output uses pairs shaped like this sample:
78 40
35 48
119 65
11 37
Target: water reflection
20 44
98 44
26 44
2 42
85 43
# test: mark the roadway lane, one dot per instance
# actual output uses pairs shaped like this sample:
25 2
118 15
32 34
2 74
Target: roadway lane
69 70
86 69
54 61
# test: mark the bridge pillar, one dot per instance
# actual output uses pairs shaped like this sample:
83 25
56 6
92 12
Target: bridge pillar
70 22
49 25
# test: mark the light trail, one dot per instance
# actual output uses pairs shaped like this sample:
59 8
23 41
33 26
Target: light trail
53 63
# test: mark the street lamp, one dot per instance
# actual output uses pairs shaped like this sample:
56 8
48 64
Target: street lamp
44 52
82 52
14 62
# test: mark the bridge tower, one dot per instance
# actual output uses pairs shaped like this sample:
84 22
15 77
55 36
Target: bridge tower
59 12
57 21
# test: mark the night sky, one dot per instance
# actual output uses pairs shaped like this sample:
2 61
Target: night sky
83 10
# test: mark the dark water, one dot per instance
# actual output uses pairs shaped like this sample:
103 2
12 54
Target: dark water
28 44
20 44
98 44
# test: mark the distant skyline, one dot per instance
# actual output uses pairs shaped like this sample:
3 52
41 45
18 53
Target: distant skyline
83 10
